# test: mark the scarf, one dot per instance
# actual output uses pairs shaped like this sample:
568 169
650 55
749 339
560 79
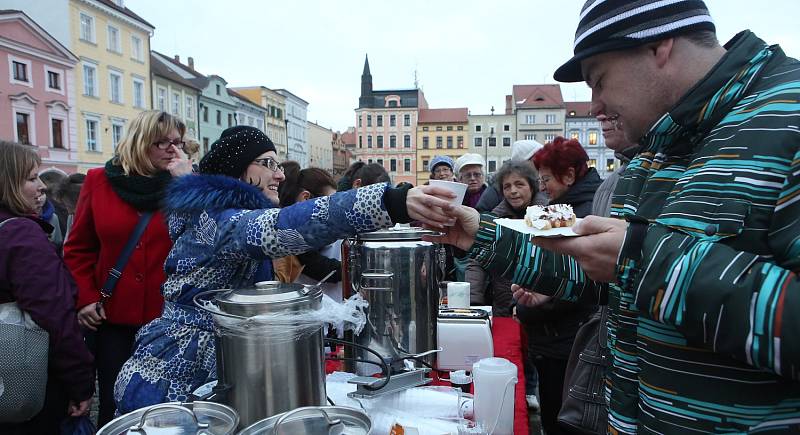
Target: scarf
142 192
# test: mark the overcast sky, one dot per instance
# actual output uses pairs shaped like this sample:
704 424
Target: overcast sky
466 53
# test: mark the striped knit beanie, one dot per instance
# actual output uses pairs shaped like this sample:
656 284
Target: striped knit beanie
611 25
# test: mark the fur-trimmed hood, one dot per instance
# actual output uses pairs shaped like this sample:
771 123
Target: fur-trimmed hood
191 193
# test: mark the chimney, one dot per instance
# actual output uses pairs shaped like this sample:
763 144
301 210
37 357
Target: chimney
191 63
177 58
509 109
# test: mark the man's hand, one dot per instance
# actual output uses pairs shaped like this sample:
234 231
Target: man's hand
91 316
462 233
597 248
528 298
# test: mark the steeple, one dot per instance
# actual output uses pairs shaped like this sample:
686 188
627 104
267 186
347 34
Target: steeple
366 85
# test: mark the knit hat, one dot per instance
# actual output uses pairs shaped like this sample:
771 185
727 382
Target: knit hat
524 149
469 159
235 149
611 25
442 160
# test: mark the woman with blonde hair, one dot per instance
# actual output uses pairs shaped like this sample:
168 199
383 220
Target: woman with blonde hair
111 205
33 276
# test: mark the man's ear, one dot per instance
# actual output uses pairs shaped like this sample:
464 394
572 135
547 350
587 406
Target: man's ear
662 51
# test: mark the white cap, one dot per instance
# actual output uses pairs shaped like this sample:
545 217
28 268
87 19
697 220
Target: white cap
524 149
469 159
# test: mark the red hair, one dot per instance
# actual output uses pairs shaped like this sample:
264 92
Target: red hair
560 155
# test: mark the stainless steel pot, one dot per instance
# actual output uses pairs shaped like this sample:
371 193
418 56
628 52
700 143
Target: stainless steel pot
194 418
398 274
266 373
322 420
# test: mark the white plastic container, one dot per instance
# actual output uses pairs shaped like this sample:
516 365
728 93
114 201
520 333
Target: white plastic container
458 295
460 189
495 380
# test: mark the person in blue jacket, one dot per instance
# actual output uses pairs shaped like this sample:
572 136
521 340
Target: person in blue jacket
226 229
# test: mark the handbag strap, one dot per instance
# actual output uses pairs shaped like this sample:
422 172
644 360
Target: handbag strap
116 272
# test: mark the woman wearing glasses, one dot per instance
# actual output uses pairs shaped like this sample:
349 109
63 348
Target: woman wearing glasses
109 206
226 230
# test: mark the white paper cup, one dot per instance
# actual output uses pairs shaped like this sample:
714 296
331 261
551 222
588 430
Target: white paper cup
460 189
458 295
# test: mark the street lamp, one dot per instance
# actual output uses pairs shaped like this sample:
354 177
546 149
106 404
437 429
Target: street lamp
286 123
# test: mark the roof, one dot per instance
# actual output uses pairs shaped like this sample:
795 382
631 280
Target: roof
534 96
198 80
169 71
349 138
440 116
125 11
284 92
41 32
579 109
377 99
244 99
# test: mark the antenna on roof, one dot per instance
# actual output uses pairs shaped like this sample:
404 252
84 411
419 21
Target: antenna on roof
416 79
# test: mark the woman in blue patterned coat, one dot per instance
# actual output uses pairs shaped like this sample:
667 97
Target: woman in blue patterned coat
225 231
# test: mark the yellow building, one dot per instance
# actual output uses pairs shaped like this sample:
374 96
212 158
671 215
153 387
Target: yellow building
113 75
275 117
440 132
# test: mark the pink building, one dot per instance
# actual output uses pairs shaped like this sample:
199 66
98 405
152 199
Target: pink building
36 90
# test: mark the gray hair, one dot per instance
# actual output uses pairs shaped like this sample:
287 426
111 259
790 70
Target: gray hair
523 168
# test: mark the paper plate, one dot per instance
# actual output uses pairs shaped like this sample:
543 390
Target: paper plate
519 225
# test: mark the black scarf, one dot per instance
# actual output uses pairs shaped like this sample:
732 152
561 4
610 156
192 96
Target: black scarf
142 192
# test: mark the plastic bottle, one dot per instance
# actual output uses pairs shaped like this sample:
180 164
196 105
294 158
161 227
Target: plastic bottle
495 380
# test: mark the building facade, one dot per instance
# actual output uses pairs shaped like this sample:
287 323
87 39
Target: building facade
440 132
217 109
174 93
491 136
320 147
37 89
275 106
583 126
386 126
296 128
341 151
539 111
248 113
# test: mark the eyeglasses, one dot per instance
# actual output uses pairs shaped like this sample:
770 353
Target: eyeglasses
470 175
164 145
270 164
445 170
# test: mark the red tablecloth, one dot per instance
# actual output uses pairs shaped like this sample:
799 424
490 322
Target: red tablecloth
507 338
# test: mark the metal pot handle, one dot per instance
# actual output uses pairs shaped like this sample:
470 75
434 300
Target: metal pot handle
216 313
376 281
308 408
140 427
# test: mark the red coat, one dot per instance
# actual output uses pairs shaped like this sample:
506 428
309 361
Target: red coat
103 223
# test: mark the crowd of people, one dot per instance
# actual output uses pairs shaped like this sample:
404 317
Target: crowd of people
684 270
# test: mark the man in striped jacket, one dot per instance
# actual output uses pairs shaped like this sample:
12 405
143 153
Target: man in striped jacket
703 247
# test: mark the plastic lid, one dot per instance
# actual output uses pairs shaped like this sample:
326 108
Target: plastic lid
495 365
460 377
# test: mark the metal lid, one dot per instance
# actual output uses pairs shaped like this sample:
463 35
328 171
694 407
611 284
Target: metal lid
397 233
175 417
313 420
269 297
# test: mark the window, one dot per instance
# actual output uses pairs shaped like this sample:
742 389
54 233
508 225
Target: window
57 131
369 120
189 107
549 137
492 165
23 128
176 104
425 128
460 128
230 120
407 141
393 165
425 142
392 120
407 165
115 87
53 80
506 141
359 118
379 121
610 165
90 80
87 27
460 141
219 117
91 135
574 135
136 48
392 141
380 141
449 128
530 119
406 120
379 161
116 133
530 137
438 128
369 141
593 137
218 90
478 141
161 99
138 93
19 71
205 144
506 127
438 141
205 113
279 113
450 142
592 163
492 142
113 40
477 129
360 142
550 119
425 164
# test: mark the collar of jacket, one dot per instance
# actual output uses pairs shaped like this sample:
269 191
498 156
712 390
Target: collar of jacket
212 192
46 227
626 155
703 106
